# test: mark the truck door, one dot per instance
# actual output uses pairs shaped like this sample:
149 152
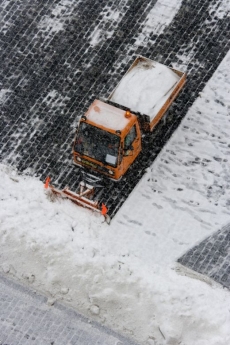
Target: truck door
131 146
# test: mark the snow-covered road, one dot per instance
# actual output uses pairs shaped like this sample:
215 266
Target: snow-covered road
124 275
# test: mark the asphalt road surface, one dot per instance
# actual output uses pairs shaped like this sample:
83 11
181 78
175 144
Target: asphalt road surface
26 318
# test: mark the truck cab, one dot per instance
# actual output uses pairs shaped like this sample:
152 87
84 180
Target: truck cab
108 140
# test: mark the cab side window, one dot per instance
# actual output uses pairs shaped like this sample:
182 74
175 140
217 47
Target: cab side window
130 137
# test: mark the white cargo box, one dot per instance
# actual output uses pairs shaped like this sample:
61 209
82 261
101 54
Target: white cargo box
148 88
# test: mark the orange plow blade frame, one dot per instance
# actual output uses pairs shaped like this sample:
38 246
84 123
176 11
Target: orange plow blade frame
83 198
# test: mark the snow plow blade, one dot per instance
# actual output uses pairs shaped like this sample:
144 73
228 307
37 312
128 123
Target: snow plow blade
82 197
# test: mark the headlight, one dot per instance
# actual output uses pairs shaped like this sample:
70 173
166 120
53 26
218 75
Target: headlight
111 172
78 159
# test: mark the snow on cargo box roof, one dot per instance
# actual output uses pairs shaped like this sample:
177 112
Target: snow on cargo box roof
145 87
103 114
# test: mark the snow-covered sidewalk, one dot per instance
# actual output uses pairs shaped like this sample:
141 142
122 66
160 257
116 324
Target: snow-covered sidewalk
125 275
26 317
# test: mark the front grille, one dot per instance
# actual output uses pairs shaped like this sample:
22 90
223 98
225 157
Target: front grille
92 165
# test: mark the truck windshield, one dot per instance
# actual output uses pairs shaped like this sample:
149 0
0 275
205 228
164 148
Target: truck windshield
97 143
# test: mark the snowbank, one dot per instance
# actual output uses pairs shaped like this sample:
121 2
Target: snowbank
71 254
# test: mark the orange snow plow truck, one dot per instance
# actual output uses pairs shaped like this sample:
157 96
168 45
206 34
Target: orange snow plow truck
108 138
109 135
